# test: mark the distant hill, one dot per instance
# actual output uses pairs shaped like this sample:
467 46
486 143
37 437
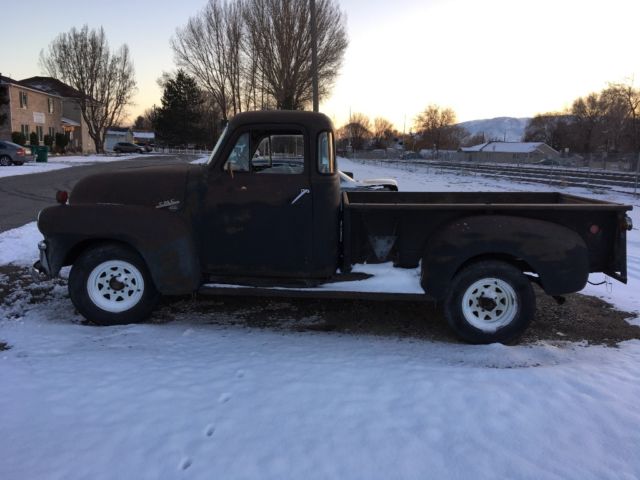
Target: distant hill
508 129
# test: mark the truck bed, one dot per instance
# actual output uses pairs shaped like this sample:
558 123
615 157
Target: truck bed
397 226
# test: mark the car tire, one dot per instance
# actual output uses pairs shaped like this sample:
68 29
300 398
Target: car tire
489 302
117 150
18 163
110 285
5 161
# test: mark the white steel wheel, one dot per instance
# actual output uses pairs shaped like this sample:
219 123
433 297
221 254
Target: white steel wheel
489 301
115 286
489 304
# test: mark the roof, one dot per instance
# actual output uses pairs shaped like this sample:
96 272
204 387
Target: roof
149 135
8 80
51 85
118 131
318 121
68 121
507 147
4 79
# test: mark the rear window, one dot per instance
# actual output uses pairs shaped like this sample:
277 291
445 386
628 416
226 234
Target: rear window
326 161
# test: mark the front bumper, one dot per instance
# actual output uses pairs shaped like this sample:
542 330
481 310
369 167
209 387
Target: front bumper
41 269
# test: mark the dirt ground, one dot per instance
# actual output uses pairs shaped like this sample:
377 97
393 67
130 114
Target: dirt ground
580 319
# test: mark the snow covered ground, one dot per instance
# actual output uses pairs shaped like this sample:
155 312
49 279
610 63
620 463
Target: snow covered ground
56 163
203 398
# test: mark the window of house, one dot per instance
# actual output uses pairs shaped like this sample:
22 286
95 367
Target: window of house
279 153
326 162
52 132
40 132
50 104
23 99
25 130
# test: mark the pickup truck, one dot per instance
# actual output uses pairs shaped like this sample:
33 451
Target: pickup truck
266 216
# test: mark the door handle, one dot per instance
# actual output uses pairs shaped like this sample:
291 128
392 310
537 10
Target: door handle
303 192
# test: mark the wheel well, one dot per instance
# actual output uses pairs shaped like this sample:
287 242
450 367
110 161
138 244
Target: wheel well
73 254
519 263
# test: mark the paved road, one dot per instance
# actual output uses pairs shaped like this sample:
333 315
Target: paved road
23 196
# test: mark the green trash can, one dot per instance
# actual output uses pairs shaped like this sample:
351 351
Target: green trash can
42 154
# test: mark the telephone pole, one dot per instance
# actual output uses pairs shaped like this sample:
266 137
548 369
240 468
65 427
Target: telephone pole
314 55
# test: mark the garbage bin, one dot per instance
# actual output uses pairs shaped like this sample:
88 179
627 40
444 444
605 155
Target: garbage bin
42 154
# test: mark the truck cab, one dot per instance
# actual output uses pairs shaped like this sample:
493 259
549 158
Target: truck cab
270 202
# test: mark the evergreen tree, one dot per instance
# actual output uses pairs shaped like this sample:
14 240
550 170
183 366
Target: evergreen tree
4 100
179 120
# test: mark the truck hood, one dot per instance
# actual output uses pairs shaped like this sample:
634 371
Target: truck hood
158 187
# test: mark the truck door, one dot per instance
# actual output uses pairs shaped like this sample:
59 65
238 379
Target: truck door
258 206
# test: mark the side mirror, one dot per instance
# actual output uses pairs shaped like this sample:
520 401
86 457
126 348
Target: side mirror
348 174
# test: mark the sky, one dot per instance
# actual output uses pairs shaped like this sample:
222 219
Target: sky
482 59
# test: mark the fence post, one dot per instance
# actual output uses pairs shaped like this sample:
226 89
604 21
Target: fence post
635 187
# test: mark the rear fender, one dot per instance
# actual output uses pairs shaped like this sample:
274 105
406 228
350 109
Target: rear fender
163 239
558 255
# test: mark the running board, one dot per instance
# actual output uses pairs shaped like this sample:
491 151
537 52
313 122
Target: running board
284 292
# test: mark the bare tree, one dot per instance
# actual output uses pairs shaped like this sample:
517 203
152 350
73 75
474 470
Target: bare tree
383 131
104 79
280 33
437 128
630 97
209 49
356 132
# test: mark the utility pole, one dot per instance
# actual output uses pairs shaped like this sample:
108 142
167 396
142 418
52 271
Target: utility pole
314 55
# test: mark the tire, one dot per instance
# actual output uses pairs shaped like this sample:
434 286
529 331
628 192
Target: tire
5 161
130 293
117 150
18 163
477 293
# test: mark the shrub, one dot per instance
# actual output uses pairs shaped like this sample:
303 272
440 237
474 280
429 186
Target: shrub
19 138
48 141
61 142
33 139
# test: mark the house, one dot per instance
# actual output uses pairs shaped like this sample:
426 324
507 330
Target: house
508 152
144 137
30 110
72 121
115 135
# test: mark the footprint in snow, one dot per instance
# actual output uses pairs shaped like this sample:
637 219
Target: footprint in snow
186 463
224 397
208 431
240 374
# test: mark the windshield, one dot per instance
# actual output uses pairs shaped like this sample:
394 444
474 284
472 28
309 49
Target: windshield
218 144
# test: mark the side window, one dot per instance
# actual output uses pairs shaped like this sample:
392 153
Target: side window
238 160
326 163
279 154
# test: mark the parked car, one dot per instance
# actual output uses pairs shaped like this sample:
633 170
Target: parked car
126 147
549 161
12 153
347 182
285 228
147 148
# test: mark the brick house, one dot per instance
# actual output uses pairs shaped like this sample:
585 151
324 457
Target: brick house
72 121
30 110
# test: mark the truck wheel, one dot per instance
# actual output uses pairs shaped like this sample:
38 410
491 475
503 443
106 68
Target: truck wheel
110 285
489 302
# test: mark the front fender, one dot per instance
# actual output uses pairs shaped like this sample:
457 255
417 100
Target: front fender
558 255
163 238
